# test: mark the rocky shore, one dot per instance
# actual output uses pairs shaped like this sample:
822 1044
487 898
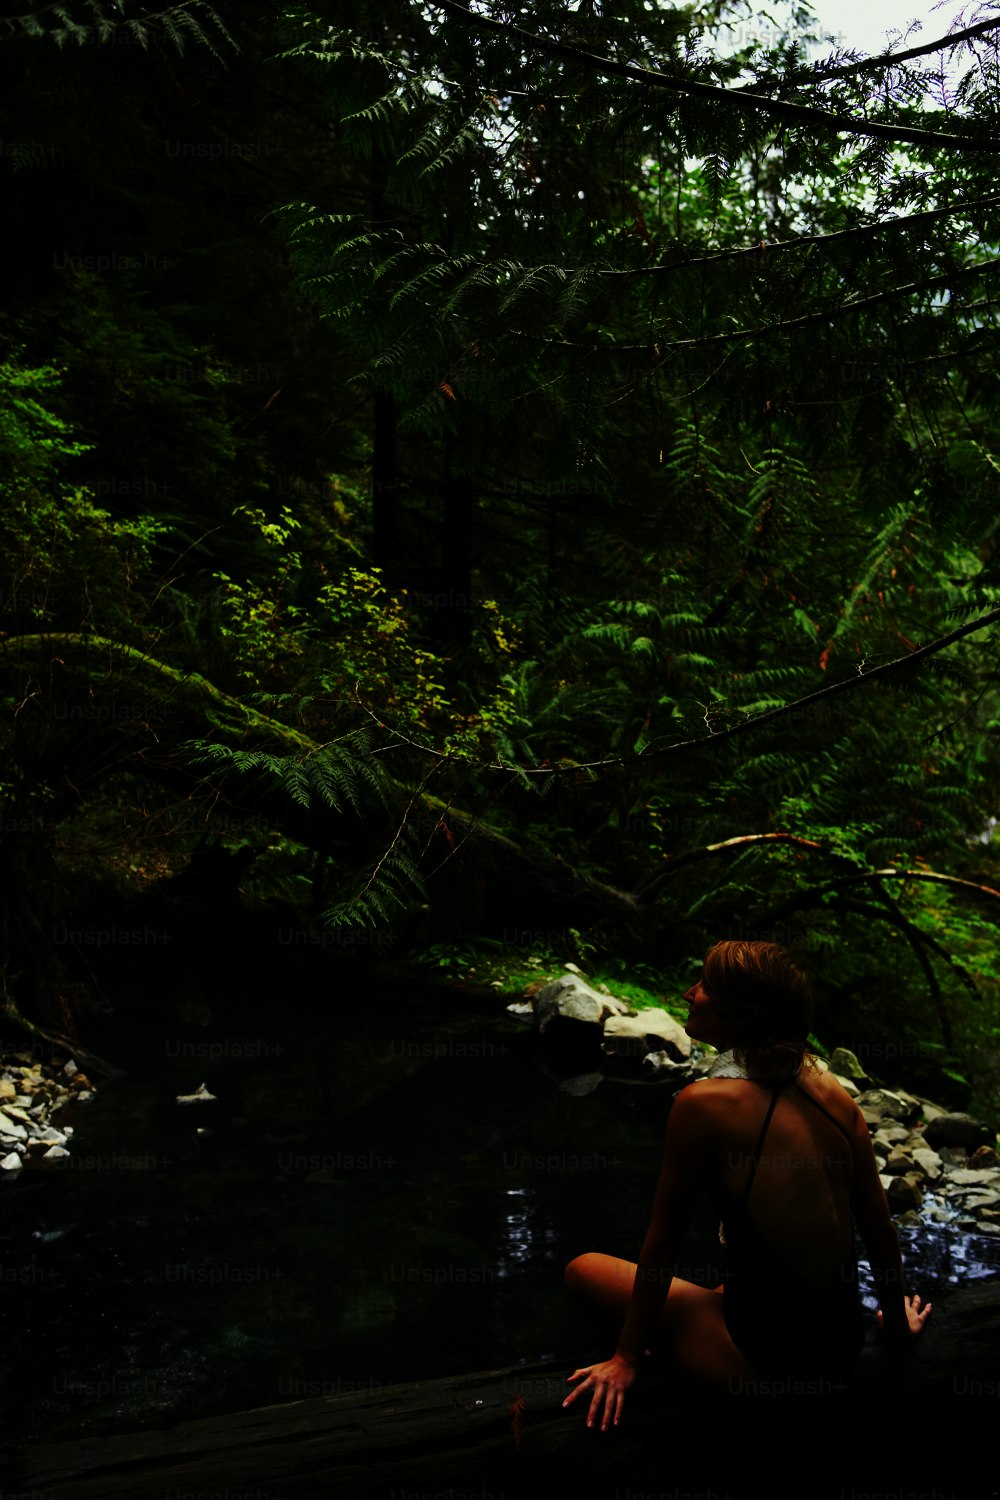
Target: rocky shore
32 1093
934 1164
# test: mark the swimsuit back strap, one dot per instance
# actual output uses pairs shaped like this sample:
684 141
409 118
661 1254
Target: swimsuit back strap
806 1094
760 1146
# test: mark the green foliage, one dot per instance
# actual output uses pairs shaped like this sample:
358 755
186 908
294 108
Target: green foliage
339 775
525 435
65 561
90 22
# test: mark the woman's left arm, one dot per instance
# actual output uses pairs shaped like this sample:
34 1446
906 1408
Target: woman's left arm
684 1176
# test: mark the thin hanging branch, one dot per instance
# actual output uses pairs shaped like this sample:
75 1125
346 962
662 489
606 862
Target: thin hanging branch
846 685
915 938
928 942
747 103
767 248
762 330
727 846
888 59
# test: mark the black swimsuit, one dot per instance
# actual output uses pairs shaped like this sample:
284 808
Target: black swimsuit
784 1324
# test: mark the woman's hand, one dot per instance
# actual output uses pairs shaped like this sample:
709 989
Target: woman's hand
609 1382
916 1317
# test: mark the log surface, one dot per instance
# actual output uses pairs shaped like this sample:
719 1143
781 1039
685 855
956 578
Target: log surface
461 1436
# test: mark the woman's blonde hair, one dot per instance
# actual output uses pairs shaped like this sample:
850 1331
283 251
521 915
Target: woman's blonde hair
764 997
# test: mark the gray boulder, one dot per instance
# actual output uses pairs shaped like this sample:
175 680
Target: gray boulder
651 1030
882 1104
958 1130
904 1192
845 1065
573 999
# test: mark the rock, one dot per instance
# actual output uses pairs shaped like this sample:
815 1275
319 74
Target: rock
953 1155
17 1112
574 999
85 1096
11 1128
523 1009
929 1162
879 1104
909 1220
957 1130
583 1083
81 1081
899 1162
7 1089
660 1063
848 1085
890 1134
200 1094
55 1153
651 1030
910 1099
974 1177
984 1156
904 1192
11 1163
70 1069
844 1064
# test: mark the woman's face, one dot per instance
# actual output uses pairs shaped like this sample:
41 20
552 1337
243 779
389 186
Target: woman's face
705 1022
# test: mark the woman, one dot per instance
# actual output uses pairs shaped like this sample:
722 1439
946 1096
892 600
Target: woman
785 1154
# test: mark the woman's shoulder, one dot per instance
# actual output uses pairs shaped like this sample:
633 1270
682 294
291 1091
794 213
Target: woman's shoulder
815 1078
707 1097
721 1091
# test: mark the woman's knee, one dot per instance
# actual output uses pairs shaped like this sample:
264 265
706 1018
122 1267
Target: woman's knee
603 1277
582 1272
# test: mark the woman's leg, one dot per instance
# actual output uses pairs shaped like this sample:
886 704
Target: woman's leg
690 1329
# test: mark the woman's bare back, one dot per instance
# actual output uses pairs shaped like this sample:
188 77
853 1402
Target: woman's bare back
800 1197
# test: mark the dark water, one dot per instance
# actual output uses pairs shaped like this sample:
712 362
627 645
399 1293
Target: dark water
385 1190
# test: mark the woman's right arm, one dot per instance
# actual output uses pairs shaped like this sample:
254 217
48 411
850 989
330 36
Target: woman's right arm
901 1318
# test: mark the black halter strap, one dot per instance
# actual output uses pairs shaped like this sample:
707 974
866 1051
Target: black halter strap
760 1145
823 1110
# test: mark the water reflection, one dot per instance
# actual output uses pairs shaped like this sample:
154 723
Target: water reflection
527 1237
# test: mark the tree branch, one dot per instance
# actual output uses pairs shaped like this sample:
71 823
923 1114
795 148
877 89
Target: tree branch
915 938
744 102
691 856
889 59
815 895
766 248
846 685
825 315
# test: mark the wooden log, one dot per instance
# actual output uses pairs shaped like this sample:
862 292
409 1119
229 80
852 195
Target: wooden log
505 1433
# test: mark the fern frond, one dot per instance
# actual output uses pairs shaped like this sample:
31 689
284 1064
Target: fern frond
333 776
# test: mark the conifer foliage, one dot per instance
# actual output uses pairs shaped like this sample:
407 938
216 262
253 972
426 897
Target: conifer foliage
525 414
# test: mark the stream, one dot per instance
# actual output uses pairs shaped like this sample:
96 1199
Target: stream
386 1188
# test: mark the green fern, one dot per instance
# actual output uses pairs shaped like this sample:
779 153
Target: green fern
179 24
334 776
